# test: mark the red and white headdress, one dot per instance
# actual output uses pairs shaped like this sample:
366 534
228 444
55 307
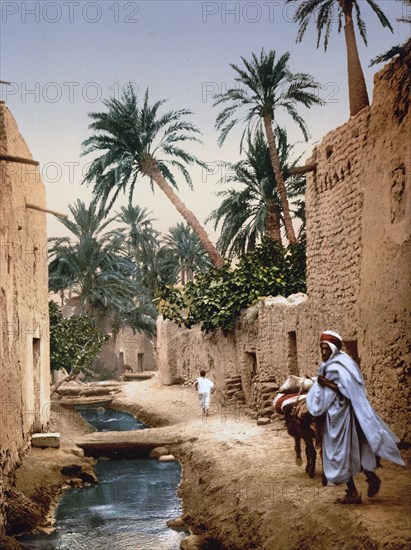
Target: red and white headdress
330 337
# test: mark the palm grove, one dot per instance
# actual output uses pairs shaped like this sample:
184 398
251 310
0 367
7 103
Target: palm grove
123 271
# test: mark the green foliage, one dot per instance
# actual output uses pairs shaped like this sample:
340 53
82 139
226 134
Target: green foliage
245 211
97 268
132 138
74 342
215 299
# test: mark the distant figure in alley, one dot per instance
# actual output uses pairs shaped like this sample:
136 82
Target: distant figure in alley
205 387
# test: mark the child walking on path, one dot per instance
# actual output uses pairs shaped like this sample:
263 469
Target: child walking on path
204 387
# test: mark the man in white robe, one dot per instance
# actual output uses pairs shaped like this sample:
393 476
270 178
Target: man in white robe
354 435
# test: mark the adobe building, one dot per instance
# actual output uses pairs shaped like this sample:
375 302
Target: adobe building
124 350
127 351
358 274
24 334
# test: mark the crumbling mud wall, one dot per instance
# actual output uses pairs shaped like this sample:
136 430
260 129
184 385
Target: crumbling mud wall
358 273
24 331
359 247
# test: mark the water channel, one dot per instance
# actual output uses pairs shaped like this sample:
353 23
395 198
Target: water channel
127 510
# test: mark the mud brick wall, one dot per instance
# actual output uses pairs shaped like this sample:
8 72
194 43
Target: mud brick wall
358 204
24 336
384 331
334 202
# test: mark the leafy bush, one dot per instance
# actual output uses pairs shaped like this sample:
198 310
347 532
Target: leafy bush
215 299
74 342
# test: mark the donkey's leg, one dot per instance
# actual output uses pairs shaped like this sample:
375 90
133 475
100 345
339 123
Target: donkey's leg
297 448
311 456
324 481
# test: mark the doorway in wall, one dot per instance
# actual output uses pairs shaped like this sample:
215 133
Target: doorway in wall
351 347
37 383
140 362
292 354
121 360
250 363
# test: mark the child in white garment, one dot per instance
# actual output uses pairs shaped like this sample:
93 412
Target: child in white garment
204 386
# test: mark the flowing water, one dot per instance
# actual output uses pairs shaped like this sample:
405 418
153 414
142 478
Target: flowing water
127 510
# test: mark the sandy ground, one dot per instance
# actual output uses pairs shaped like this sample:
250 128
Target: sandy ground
241 484
241 487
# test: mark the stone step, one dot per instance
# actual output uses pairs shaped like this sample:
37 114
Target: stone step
263 421
236 385
268 411
45 440
269 387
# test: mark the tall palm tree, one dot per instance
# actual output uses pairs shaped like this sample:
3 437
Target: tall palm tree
267 85
249 213
136 141
188 253
325 11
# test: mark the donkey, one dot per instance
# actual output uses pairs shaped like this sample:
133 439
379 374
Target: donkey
299 422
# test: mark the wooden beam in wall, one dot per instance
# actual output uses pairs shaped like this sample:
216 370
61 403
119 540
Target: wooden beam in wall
302 169
20 160
46 210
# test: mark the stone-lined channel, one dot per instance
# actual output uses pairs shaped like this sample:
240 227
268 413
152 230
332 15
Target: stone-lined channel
127 509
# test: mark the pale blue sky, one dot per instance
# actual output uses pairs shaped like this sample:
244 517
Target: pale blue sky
64 57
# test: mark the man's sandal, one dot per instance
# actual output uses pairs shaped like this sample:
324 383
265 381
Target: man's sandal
374 484
349 499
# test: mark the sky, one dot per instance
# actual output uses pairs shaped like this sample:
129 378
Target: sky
63 58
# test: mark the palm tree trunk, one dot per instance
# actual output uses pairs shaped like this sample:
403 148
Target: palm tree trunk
273 222
357 88
155 174
289 229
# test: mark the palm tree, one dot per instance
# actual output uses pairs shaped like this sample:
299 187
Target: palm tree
267 85
133 141
104 281
324 10
187 251
138 229
88 221
249 213
154 264
157 268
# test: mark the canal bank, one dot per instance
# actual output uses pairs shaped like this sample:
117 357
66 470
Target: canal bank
129 506
241 487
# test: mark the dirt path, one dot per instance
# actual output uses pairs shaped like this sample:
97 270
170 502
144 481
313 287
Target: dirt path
241 487
241 484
